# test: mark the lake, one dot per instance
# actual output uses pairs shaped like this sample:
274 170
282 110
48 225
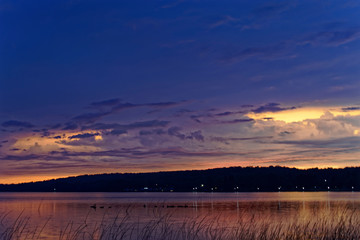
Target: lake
174 215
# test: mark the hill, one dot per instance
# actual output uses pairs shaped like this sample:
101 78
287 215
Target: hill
218 180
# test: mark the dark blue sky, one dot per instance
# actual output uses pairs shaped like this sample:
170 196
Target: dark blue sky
186 63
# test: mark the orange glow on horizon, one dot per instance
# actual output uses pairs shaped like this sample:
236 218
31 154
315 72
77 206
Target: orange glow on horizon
32 178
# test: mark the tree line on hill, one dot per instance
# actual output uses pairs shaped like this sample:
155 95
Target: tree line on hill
241 179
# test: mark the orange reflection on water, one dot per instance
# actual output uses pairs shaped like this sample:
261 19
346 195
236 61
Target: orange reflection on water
222 213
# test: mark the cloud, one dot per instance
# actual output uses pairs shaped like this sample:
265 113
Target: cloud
228 113
32 157
163 104
145 124
56 126
139 153
197 135
158 131
90 117
346 142
270 52
122 106
127 105
70 126
285 133
18 124
118 132
227 139
84 135
271 107
271 9
135 125
106 103
237 121
332 38
172 4
175 131
222 20
347 109
117 106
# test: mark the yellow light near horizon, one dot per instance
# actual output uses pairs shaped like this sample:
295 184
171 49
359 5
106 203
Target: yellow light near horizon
23 179
98 138
301 114
46 144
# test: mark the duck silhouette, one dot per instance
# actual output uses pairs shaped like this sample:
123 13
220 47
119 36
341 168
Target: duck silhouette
93 206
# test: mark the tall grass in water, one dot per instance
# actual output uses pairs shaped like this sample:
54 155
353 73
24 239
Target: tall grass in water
336 223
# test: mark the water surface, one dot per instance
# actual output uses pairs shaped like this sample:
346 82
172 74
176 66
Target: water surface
58 211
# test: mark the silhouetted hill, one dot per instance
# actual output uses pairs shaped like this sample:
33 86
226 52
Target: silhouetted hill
217 180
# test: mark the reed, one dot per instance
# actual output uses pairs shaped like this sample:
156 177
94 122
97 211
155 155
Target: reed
336 223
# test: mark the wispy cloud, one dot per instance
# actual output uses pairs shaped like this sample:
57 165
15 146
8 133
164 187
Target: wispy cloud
332 38
134 125
84 135
17 124
271 107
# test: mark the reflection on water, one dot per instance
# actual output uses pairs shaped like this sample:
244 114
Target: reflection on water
59 213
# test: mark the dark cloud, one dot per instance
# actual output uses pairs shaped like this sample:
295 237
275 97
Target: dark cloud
141 154
347 109
152 132
175 131
225 114
237 121
135 125
106 103
56 126
57 137
197 135
45 133
90 117
184 111
347 142
70 126
123 106
227 139
146 124
271 9
247 106
117 106
84 135
285 133
271 107
118 132
271 52
163 104
18 124
32 157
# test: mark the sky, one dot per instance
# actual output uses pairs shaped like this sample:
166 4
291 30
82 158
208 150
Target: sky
91 87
